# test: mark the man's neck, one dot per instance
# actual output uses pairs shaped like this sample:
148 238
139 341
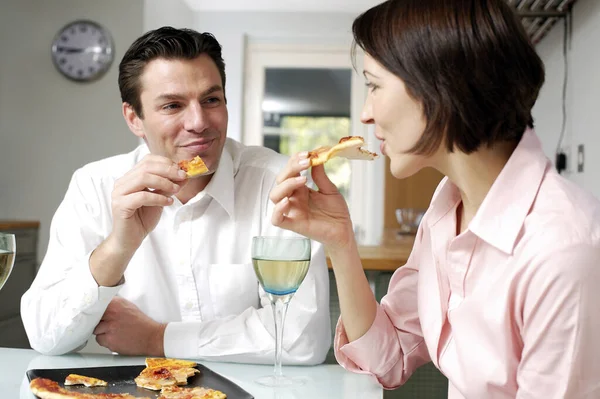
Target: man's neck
193 187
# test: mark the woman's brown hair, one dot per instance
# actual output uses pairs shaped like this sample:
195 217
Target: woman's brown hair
468 62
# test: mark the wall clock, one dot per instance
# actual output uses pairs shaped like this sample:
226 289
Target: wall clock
83 50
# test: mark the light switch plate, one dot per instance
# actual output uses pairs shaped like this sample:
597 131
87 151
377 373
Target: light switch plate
580 158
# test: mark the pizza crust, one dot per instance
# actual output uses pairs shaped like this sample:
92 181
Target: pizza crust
348 147
44 388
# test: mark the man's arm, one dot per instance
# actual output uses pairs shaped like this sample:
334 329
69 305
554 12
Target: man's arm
64 303
92 240
250 336
561 326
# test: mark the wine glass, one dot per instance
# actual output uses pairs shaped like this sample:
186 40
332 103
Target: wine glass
280 263
8 248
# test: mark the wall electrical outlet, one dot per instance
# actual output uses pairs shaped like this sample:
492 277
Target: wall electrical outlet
580 158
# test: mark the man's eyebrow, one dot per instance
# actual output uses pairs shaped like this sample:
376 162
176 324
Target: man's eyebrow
175 97
213 89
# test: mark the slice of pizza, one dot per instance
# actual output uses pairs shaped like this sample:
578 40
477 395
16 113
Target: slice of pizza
155 378
76 379
162 362
44 388
193 167
348 147
190 393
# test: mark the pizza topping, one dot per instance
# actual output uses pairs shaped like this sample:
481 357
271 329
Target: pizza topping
156 378
348 147
76 379
193 167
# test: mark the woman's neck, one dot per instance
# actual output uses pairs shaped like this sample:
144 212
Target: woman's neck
474 174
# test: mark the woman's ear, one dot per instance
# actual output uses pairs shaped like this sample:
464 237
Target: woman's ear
134 122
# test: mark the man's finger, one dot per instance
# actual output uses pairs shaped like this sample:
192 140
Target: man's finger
101 328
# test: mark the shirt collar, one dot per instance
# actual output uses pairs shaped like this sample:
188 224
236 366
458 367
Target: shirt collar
500 217
221 187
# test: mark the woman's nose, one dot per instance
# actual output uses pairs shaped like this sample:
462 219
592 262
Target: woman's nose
366 115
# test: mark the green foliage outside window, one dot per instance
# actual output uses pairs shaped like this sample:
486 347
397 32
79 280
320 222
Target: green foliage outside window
303 133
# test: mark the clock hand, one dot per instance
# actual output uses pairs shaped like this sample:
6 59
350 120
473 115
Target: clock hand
75 50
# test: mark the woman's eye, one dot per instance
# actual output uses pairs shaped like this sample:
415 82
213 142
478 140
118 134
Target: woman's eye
371 86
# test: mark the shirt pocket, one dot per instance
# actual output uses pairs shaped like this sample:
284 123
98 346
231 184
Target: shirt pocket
233 288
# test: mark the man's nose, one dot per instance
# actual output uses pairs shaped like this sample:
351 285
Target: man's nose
195 119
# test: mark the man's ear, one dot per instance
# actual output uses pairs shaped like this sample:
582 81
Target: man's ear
133 121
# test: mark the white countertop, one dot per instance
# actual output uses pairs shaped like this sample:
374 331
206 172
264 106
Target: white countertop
325 381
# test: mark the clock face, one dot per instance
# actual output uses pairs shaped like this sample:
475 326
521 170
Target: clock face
83 50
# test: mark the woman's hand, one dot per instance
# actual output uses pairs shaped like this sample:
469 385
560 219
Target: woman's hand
320 215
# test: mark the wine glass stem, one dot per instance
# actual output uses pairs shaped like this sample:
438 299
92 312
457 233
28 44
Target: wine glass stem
279 311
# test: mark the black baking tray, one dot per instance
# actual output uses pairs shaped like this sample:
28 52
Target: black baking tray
120 379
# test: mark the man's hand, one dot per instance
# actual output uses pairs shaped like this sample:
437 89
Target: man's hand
138 199
125 329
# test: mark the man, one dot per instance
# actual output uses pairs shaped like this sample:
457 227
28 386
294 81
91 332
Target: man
155 264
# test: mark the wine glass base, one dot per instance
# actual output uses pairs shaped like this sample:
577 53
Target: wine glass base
281 381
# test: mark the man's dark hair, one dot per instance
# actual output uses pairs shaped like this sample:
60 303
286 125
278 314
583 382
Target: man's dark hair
167 43
468 62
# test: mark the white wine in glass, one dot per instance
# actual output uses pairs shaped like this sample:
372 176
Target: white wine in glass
7 256
280 264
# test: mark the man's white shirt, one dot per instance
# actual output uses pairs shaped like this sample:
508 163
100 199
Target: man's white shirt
193 271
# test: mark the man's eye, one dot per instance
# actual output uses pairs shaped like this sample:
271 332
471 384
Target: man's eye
212 101
171 106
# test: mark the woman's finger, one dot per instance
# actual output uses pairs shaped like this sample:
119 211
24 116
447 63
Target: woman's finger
322 180
286 188
280 212
296 164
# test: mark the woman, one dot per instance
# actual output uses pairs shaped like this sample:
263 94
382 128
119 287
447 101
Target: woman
501 289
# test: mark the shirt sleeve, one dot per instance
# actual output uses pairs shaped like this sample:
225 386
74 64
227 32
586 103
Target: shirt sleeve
64 303
250 336
393 348
561 326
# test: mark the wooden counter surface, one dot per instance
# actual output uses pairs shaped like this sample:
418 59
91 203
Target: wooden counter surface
392 253
18 224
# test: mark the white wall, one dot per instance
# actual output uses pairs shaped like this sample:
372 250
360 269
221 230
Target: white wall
583 104
232 29
50 126
175 13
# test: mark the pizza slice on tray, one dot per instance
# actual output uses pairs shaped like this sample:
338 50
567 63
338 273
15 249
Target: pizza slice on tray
193 167
44 388
190 393
348 147
76 379
155 378
162 362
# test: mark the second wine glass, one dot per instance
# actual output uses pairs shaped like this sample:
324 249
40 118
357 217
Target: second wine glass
280 264
8 248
